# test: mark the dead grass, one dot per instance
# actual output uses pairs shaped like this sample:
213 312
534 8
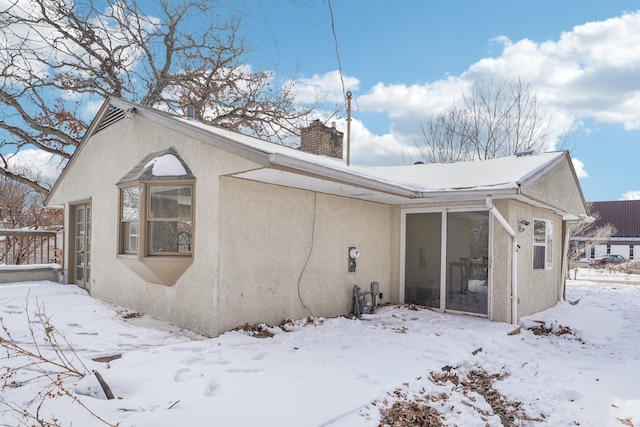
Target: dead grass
417 409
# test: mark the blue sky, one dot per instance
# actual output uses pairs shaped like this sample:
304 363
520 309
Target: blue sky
404 60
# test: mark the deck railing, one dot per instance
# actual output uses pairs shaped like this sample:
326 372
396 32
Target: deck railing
27 247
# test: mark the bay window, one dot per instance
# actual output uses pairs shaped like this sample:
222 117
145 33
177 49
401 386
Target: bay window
164 214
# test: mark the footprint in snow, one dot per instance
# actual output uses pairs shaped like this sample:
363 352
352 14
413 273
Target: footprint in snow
183 374
212 388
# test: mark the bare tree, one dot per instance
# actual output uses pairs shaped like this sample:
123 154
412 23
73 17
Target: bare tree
56 56
495 119
584 235
20 205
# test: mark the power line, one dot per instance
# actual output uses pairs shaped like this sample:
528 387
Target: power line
335 40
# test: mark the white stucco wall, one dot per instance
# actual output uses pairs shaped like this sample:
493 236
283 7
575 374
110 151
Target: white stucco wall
537 289
102 161
245 270
266 240
255 258
558 187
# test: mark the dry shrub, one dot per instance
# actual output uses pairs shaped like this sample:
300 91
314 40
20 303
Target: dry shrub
409 414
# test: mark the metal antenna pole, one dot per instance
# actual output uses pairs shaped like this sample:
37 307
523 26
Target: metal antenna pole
349 95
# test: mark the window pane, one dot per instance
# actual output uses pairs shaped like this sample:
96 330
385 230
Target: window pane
539 233
538 257
130 203
549 252
170 236
130 230
170 202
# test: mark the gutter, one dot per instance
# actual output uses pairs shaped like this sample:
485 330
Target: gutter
283 162
514 258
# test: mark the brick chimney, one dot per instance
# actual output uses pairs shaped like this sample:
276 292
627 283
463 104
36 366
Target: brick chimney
322 140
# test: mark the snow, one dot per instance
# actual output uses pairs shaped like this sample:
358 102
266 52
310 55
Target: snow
22 267
166 165
498 174
337 372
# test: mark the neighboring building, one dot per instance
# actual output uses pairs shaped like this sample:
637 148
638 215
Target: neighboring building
624 215
210 229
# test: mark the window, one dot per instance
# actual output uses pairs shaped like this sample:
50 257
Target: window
156 203
166 214
169 220
630 251
608 249
156 206
542 244
130 213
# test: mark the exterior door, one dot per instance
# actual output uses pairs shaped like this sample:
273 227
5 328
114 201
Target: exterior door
422 261
446 260
82 245
468 262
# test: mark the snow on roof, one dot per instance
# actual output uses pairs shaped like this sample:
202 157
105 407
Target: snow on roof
159 165
166 165
288 166
501 173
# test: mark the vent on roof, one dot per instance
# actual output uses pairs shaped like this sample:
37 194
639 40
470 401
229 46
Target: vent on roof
114 115
525 153
191 112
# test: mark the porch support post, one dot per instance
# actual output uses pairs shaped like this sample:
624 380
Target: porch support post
514 258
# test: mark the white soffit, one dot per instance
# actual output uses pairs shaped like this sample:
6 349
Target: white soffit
295 180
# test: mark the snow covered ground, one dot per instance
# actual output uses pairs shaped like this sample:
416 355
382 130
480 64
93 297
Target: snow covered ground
334 372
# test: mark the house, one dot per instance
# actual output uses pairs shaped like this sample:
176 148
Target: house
211 229
624 215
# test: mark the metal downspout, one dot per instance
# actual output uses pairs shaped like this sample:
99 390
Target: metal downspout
514 258
565 259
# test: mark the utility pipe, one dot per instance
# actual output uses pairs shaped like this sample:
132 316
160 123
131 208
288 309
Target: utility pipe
514 258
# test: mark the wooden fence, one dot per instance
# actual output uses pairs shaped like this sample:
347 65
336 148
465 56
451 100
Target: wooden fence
28 247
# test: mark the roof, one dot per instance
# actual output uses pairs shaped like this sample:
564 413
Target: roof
282 165
162 165
624 215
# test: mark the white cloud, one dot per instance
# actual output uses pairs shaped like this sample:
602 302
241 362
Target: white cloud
326 86
631 195
579 168
400 100
590 72
49 166
368 149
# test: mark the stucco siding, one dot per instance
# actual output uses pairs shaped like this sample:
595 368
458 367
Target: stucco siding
269 233
557 188
103 160
537 289
501 265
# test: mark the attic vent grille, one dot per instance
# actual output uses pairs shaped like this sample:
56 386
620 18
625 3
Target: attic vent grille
114 115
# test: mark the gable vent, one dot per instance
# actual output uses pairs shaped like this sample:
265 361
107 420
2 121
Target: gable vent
114 115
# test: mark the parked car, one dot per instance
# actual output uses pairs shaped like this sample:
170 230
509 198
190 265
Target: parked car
606 259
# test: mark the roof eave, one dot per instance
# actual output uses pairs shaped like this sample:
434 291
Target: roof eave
280 161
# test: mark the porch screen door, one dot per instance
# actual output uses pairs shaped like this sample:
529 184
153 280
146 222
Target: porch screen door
82 245
422 259
467 262
457 281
